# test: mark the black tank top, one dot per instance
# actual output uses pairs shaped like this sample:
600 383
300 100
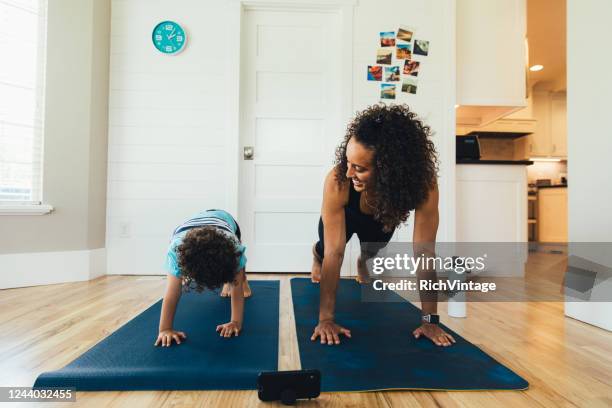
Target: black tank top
353 208
353 203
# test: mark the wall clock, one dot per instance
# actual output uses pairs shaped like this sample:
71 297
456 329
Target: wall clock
169 37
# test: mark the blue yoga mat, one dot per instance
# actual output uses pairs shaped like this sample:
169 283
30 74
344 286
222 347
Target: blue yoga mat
383 354
127 359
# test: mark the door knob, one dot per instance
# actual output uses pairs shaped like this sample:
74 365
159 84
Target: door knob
248 152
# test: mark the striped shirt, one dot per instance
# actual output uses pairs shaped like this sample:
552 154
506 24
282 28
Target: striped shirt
209 218
216 218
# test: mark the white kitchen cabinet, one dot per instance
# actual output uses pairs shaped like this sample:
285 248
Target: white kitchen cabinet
491 59
550 136
539 140
492 208
558 125
491 203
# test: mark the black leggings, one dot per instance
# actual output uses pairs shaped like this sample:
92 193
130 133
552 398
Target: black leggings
369 231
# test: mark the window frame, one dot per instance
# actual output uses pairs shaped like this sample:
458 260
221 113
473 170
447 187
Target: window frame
36 205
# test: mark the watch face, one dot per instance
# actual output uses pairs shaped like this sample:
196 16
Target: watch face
431 318
169 37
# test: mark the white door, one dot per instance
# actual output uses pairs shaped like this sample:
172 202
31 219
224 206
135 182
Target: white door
290 102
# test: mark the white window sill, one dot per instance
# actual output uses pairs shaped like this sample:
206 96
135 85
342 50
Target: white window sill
25 209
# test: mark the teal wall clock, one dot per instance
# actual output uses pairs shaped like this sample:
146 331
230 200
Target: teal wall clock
169 37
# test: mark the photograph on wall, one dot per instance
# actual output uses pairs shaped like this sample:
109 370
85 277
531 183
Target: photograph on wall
387 39
383 56
409 85
392 74
421 47
404 34
404 51
387 91
375 73
411 67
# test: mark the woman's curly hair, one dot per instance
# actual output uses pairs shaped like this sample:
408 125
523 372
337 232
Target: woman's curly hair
207 258
405 160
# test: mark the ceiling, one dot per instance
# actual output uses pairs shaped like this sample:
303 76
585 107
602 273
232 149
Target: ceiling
546 33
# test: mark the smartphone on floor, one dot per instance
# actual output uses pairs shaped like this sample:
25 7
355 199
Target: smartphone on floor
288 386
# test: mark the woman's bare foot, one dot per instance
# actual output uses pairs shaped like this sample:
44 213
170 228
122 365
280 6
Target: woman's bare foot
227 290
363 276
315 273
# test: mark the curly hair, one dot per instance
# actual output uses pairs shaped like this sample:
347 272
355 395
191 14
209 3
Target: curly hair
207 258
405 160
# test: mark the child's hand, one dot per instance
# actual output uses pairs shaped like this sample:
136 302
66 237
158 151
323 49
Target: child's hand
165 337
229 329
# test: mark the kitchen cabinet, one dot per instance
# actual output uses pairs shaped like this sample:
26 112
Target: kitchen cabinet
492 208
550 136
491 203
491 59
552 214
558 125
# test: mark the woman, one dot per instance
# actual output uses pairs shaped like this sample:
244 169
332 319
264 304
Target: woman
385 167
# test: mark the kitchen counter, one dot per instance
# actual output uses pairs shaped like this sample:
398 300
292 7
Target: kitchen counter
515 162
554 186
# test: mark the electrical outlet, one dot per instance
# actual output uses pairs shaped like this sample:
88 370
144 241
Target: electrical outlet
124 229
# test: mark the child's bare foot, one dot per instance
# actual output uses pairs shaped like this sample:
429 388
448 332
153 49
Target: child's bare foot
227 290
246 289
315 273
363 276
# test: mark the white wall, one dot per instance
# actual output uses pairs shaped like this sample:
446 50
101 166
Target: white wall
435 98
172 136
67 244
589 88
168 132
76 71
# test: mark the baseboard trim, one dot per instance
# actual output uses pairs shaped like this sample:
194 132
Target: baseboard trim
594 313
46 268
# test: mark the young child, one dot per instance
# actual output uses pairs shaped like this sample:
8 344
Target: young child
205 253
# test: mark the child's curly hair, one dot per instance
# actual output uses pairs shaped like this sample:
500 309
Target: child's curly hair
405 160
207 258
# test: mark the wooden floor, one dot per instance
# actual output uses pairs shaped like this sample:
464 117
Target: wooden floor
567 363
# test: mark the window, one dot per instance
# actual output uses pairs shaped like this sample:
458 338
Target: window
22 49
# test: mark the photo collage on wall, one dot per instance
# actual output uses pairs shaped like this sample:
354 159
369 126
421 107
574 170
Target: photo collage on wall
405 71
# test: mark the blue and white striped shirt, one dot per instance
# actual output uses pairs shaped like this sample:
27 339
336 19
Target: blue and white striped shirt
216 218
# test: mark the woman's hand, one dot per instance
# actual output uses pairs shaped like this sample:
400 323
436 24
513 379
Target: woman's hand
165 337
229 329
329 332
434 333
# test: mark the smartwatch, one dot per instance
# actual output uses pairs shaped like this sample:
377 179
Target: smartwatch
431 318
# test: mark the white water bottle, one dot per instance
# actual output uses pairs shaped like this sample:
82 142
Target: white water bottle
456 305
456 302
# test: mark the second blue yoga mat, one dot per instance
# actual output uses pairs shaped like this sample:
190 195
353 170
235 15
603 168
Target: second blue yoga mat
127 359
383 354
